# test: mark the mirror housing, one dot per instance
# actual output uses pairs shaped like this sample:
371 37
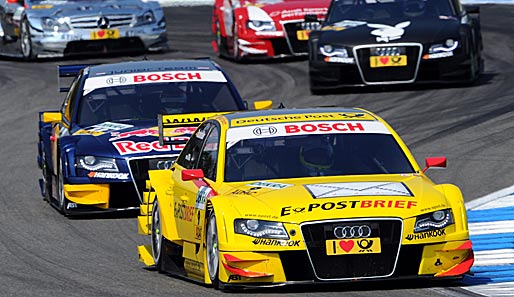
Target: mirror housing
52 117
265 104
471 9
190 174
434 162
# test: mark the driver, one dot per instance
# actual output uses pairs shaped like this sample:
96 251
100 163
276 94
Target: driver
317 157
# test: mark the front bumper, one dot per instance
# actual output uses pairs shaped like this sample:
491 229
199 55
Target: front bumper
450 260
328 75
57 44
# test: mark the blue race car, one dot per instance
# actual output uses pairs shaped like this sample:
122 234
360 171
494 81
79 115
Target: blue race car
95 151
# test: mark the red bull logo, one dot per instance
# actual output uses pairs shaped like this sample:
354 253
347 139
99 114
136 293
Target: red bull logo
169 132
139 133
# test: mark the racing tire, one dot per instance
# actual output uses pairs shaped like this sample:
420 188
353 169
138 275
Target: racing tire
217 39
211 251
156 237
47 180
236 55
62 201
26 41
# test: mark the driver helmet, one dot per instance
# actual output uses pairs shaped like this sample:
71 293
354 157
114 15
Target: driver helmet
317 157
414 8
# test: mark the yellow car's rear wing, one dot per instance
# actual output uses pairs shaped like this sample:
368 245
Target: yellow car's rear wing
176 122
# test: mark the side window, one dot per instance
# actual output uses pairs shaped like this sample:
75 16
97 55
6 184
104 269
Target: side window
69 102
209 155
191 153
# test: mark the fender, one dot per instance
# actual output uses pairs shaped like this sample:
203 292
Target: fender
455 199
161 182
218 205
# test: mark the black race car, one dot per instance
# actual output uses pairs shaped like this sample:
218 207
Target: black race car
382 42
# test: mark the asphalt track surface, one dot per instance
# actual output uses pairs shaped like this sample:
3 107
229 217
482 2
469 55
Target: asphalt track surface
44 254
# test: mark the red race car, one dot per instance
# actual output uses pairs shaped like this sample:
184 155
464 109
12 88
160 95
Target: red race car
265 28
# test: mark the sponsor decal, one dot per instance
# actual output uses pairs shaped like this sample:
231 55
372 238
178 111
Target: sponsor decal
191 265
71 205
353 246
262 216
201 197
109 175
93 83
251 191
339 60
301 118
352 204
276 242
324 127
387 33
438 55
139 133
331 190
102 128
234 277
234 135
264 131
299 12
426 235
269 185
126 147
184 212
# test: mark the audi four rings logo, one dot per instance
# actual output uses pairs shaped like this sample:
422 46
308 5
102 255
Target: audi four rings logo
115 80
164 164
362 231
264 131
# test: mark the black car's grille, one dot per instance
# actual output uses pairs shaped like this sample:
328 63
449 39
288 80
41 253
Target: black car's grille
291 29
139 169
98 21
353 265
385 75
107 45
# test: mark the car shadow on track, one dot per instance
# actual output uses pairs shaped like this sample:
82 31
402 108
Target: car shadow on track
484 79
124 214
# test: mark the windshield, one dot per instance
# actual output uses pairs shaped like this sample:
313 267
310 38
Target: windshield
378 10
146 101
314 155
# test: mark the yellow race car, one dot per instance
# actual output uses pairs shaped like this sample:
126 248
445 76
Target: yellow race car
296 196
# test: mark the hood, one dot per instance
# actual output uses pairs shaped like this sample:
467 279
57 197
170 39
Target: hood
422 30
78 8
290 9
128 139
325 198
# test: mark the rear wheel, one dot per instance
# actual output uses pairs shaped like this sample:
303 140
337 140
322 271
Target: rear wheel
212 252
217 38
156 236
47 180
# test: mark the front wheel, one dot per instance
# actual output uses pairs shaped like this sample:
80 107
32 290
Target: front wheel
26 41
212 252
63 202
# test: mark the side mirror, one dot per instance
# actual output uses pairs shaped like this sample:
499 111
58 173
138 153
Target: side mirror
472 8
52 117
435 162
189 174
266 104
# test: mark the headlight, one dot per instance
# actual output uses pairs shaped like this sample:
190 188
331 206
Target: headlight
55 25
433 221
328 50
260 229
98 164
261 26
447 46
145 18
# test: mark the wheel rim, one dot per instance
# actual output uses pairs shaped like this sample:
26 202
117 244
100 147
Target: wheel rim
156 233
212 249
25 40
236 44
218 36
